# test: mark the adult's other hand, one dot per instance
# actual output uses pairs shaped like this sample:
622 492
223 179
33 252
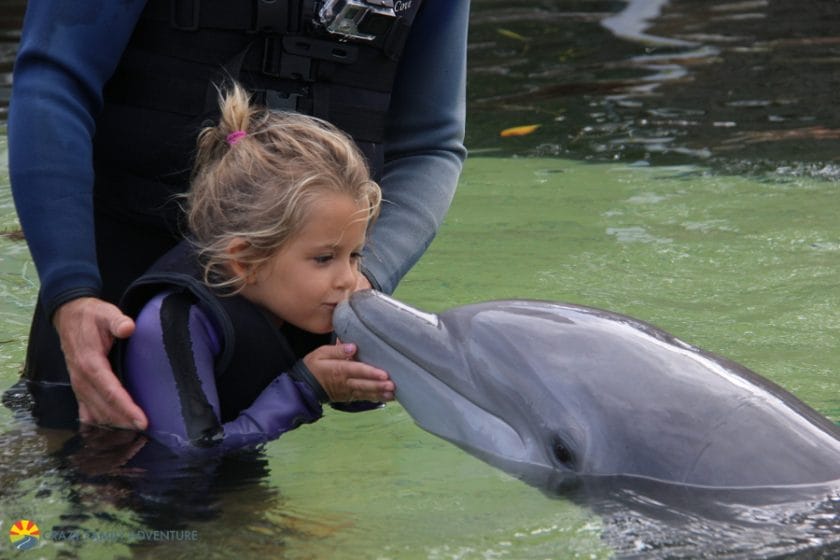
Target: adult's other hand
87 328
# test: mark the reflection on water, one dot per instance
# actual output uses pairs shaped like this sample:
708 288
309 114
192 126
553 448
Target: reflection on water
714 524
745 266
745 85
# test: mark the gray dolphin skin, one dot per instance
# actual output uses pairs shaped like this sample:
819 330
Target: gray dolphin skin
552 392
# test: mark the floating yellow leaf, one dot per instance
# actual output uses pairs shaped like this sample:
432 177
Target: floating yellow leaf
519 130
511 34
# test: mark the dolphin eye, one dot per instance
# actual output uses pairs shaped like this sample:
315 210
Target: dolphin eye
562 453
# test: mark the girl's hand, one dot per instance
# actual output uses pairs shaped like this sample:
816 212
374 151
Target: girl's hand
345 379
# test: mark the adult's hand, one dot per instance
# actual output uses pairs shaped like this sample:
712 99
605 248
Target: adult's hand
345 379
87 328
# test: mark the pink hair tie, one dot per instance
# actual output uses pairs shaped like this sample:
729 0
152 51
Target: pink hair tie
235 137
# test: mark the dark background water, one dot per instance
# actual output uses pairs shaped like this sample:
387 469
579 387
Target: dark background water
745 86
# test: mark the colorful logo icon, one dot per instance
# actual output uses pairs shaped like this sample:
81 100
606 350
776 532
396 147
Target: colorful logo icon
24 534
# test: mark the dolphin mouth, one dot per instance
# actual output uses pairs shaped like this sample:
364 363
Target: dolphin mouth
390 321
384 318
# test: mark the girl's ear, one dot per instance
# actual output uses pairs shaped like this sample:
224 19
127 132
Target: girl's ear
236 266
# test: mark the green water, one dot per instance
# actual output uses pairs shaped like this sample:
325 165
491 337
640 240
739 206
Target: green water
743 267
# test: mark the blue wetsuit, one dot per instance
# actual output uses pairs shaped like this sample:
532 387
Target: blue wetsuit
68 52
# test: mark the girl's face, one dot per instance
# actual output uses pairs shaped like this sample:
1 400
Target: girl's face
317 268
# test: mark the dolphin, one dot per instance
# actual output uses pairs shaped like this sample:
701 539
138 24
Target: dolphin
551 392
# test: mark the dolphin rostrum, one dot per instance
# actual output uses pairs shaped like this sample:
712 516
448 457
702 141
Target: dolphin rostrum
551 392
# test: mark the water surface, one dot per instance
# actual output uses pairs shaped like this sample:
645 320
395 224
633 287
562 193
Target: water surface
739 266
742 85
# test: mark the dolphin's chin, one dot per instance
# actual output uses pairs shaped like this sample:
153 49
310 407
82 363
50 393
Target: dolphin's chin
457 419
533 470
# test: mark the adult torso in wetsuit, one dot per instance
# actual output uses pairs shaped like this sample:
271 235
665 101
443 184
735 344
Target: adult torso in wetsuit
165 90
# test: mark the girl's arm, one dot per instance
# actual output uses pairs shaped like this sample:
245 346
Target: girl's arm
168 368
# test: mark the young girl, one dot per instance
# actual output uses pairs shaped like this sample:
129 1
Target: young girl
233 326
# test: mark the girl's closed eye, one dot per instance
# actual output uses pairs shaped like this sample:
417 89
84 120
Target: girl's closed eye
323 259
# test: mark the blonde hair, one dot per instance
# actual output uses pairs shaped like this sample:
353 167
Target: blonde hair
255 178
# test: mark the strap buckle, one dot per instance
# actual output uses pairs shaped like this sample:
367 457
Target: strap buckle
278 100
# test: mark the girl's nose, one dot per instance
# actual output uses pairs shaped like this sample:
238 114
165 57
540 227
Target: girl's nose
346 279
